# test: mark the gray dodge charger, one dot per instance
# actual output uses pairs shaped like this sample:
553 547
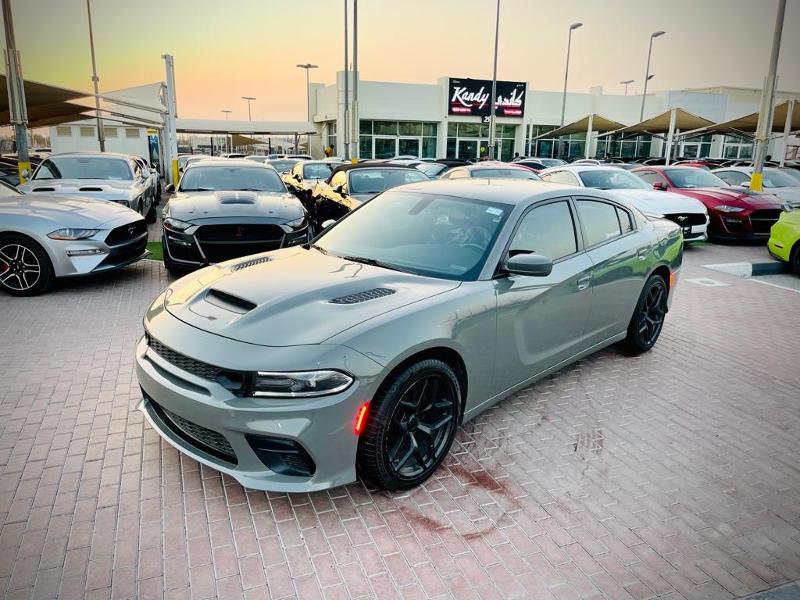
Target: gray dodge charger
360 354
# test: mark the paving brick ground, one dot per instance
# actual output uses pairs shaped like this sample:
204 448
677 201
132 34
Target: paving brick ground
675 474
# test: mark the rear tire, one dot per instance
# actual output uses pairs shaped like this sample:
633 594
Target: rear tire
648 317
25 267
411 425
794 259
151 215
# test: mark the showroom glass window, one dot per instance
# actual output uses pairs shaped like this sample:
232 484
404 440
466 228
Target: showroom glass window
387 139
470 141
548 230
736 147
331 136
600 221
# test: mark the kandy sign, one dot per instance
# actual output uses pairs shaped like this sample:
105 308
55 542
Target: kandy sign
471 97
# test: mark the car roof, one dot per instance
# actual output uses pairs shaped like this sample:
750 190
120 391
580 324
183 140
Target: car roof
582 167
503 191
493 164
231 162
367 165
93 154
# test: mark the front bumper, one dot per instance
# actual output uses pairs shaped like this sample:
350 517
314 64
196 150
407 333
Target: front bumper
214 423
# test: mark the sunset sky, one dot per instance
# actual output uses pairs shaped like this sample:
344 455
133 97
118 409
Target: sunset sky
227 49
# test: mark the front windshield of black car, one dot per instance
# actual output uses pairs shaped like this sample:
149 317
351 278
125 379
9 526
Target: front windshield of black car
426 234
374 181
505 174
612 179
84 167
693 178
231 179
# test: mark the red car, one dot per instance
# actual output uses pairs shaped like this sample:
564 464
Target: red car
734 213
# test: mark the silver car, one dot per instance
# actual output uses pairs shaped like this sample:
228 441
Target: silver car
360 354
45 237
776 182
102 175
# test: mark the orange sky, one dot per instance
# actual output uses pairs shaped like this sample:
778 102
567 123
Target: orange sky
227 49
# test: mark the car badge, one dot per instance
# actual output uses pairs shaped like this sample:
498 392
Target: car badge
239 231
682 218
132 229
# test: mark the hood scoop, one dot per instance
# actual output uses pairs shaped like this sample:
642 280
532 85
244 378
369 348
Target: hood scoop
250 263
359 297
44 189
237 198
229 302
87 188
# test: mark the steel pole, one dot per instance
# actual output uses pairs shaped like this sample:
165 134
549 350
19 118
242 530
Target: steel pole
493 107
354 137
18 111
646 77
787 128
767 106
346 129
101 137
566 74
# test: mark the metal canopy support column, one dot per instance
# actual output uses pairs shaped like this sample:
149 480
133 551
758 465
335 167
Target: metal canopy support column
346 125
589 135
16 95
670 136
170 132
787 128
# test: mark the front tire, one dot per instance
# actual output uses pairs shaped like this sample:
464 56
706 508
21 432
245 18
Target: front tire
411 425
648 318
794 259
25 267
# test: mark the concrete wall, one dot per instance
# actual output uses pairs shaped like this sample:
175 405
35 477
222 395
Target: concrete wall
78 143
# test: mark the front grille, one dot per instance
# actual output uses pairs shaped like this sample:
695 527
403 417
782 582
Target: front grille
124 253
183 362
763 220
239 233
687 219
125 233
363 296
204 439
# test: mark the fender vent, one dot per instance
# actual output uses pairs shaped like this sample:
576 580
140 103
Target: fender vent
44 189
90 189
363 296
237 200
250 263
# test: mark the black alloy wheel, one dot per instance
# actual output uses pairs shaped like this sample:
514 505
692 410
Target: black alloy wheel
411 426
648 318
25 268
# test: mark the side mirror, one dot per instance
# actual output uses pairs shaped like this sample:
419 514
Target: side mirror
659 185
328 223
170 189
532 264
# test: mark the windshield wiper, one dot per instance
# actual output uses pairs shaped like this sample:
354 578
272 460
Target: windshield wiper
247 190
199 189
316 247
374 263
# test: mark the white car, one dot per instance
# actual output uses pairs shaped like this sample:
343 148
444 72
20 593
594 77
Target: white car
776 182
690 214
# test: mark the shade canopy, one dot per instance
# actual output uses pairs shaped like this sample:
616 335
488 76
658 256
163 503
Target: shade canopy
749 123
222 126
243 140
598 122
46 104
684 121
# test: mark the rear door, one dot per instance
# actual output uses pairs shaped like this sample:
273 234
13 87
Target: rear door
541 320
618 254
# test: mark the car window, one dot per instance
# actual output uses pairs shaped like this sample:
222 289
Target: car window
600 221
612 179
733 177
316 170
505 174
650 177
84 167
456 174
775 178
625 222
229 179
339 179
373 181
560 177
431 169
548 230
693 178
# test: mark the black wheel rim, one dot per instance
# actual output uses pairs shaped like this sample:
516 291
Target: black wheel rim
653 311
19 268
421 426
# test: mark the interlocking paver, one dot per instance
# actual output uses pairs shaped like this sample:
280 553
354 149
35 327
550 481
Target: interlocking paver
673 474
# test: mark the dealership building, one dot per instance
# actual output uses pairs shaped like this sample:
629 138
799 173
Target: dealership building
449 118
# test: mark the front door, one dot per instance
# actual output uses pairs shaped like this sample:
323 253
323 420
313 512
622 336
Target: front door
385 147
541 320
467 149
408 146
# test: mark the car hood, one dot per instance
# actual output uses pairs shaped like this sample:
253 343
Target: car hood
65 211
292 296
106 189
191 206
789 194
734 197
660 202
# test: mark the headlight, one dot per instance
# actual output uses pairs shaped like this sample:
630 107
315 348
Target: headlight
298 223
301 384
729 209
70 233
176 225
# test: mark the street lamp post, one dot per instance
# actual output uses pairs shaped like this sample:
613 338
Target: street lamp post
101 138
307 67
493 107
227 112
248 98
572 28
654 35
626 83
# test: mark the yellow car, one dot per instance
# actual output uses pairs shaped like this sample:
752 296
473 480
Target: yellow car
784 239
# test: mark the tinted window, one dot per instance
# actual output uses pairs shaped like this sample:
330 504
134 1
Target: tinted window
693 178
733 177
612 179
775 178
546 230
560 177
372 181
624 220
505 174
317 171
218 178
84 167
599 220
441 236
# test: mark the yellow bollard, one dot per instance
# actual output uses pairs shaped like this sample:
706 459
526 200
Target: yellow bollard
757 182
175 176
24 169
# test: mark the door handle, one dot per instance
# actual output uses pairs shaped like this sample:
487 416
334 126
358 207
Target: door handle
584 282
643 253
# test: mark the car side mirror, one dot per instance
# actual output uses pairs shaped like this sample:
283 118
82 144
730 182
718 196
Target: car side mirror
328 223
531 264
170 189
659 185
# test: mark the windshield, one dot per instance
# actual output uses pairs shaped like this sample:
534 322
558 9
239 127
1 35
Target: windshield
426 234
374 181
778 179
693 178
281 166
550 162
612 179
230 179
793 173
318 170
505 174
84 167
431 169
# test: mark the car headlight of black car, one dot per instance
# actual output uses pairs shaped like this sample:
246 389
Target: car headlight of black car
300 384
300 223
176 225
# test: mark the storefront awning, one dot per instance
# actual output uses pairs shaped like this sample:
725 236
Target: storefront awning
222 126
660 124
597 123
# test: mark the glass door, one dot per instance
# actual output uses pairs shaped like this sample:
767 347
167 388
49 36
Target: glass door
384 147
408 146
467 149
